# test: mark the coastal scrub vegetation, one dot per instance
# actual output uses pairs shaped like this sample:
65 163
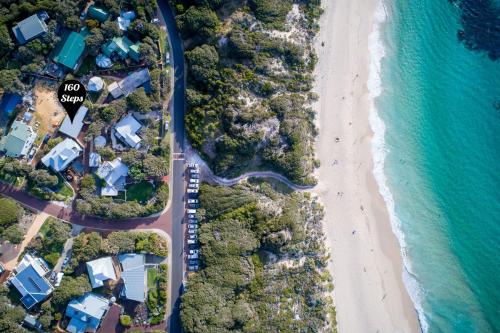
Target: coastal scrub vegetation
263 263
10 215
249 84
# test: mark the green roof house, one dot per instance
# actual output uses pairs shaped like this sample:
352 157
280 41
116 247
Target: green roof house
69 54
19 140
134 51
118 45
29 28
98 13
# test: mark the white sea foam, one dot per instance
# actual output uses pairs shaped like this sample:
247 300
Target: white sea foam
379 152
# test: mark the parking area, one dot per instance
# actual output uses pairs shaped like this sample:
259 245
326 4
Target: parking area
192 205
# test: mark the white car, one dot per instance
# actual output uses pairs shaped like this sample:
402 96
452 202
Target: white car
191 231
193 256
191 211
191 216
193 165
195 201
192 190
194 171
194 181
194 251
191 241
194 186
195 236
192 226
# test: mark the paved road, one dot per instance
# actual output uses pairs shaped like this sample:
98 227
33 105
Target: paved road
178 183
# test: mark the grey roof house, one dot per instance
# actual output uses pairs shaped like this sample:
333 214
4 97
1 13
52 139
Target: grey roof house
31 27
19 140
86 313
133 276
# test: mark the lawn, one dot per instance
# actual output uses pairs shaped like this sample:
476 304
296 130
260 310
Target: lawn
152 277
140 192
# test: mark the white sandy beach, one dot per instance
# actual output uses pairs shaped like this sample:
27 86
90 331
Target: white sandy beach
367 263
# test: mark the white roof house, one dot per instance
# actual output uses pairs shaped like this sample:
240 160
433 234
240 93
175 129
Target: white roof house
126 130
129 84
133 276
73 128
114 173
95 84
61 156
94 160
86 313
100 270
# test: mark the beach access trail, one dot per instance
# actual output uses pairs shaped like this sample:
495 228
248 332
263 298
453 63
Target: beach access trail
367 265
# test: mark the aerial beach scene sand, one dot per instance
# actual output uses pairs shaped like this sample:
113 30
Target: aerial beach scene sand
367 264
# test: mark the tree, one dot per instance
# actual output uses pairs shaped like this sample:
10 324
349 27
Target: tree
10 212
13 234
12 316
155 166
87 246
73 22
119 242
70 288
108 113
42 178
139 101
149 51
110 29
10 81
54 142
107 153
94 41
200 21
95 129
203 61
6 44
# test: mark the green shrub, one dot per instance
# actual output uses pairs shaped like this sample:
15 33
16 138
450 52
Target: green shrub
125 320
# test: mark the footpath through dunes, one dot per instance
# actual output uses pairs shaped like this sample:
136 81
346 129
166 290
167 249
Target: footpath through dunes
210 177
68 214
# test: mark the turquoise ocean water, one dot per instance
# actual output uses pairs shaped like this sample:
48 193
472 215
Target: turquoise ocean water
437 153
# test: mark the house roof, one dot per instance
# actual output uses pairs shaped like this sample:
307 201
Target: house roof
86 312
117 44
19 140
127 129
100 270
94 160
71 50
98 13
73 128
114 173
130 83
62 155
30 281
134 51
134 276
29 28
95 83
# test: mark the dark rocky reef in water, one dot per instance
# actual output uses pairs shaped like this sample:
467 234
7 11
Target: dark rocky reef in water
480 21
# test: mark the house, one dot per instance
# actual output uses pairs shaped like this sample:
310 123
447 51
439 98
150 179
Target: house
31 27
114 174
86 313
94 160
73 128
98 13
19 140
125 19
95 84
61 156
126 130
101 270
71 50
117 45
126 86
133 276
134 51
30 280
32 322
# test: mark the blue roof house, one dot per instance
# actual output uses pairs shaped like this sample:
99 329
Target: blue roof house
30 280
86 312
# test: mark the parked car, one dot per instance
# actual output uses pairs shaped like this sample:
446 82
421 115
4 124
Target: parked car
193 256
193 206
194 172
192 191
194 251
192 226
195 236
191 211
193 186
191 242
58 279
193 262
193 165
191 216
65 262
192 231
193 221
193 268
193 246
194 181
192 200
194 175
